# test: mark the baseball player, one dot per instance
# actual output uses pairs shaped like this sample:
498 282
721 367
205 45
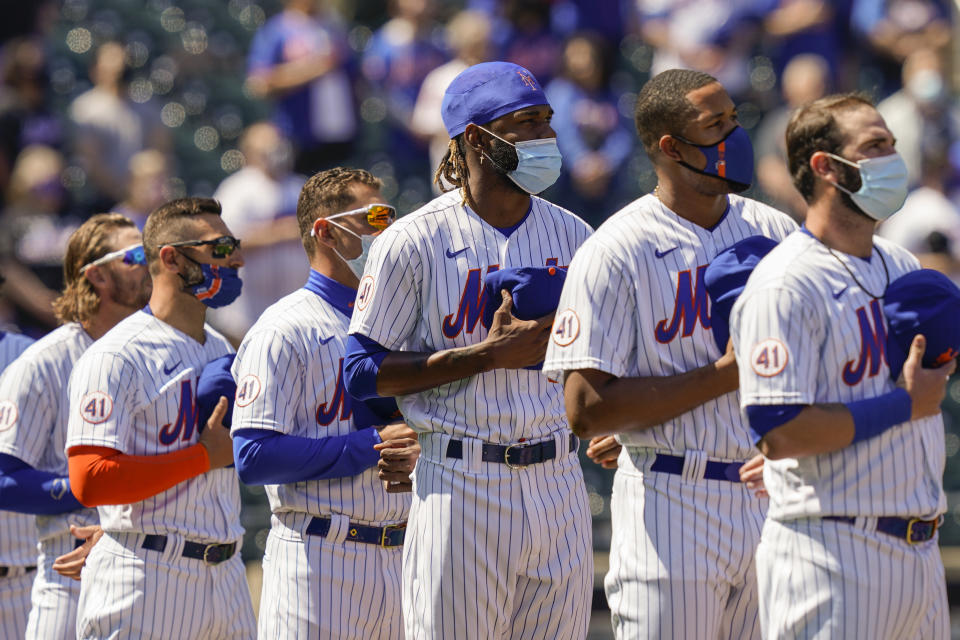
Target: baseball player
499 517
18 537
106 279
167 565
332 561
854 460
632 336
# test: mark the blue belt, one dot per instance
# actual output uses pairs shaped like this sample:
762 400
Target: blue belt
716 470
211 554
389 536
913 530
513 455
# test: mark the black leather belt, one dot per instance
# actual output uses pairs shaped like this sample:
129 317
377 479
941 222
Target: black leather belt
514 456
913 530
211 554
5 571
390 535
715 469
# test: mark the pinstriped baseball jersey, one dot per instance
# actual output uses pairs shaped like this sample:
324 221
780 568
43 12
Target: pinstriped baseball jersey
36 385
290 380
805 332
18 533
422 290
634 304
134 390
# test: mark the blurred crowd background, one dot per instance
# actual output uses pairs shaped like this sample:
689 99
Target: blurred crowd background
119 105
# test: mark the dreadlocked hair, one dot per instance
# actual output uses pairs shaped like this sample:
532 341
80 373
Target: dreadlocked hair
453 167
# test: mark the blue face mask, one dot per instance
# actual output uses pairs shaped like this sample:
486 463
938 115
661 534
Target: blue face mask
220 285
731 159
538 163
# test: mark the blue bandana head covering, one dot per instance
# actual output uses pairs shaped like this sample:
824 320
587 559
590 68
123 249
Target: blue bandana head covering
486 91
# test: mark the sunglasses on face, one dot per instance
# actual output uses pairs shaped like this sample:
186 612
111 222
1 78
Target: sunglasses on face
379 216
130 255
223 246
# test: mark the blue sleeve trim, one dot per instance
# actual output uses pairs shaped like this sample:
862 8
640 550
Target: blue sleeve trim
361 364
765 418
873 416
26 490
269 457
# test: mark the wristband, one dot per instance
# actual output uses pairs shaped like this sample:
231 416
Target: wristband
873 416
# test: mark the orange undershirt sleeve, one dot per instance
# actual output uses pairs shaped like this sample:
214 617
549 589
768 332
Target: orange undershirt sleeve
101 475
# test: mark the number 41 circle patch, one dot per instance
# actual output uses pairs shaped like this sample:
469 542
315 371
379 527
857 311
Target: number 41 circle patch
96 407
566 327
769 357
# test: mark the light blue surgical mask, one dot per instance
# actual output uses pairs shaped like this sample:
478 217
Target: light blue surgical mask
538 163
883 184
356 264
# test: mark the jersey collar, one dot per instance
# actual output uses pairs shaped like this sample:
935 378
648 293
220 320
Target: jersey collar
339 296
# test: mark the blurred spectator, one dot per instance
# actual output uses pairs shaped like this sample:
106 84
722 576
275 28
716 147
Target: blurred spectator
608 19
715 36
922 115
795 27
25 115
148 186
894 29
929 223
111 128
528 39
259 205
300 59
468 36
33 237
594 138
397 60
804 79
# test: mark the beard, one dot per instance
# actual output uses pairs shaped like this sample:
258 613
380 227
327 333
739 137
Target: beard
503 158
850 180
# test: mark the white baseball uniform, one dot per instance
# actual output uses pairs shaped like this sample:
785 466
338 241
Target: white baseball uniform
35 386
634 305
289 372
18 534
808 330
513 543
134 390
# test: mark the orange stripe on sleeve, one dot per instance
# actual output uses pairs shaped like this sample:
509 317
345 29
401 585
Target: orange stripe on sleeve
101 475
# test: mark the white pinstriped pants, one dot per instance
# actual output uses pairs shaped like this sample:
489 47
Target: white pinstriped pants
827 580
53 600
130 592
319 588
493 552
15 604
681 554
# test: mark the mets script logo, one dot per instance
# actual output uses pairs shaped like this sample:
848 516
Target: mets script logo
528 80
691 305
471 305
327 412
873 341
186 417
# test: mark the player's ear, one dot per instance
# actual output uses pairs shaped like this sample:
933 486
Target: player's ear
668 147
168 258
95 276
321 231
472 136
822 166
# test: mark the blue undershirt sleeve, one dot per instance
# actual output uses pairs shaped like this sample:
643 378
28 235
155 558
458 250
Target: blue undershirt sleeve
269 457
765 418
26 490
361 364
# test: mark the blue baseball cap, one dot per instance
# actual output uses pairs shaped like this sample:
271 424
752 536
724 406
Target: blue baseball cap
922 302
215 380
726 276
535 291
486 91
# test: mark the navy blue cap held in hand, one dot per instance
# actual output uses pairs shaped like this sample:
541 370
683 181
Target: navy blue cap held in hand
535 291
922 302
726 276
486 91
215 381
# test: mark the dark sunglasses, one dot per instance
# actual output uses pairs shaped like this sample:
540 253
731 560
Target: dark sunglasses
130 255
223 246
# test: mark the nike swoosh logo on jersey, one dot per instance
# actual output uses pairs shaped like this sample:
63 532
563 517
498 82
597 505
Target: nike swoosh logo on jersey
168 370
327 340
454 254
661 254
837 294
